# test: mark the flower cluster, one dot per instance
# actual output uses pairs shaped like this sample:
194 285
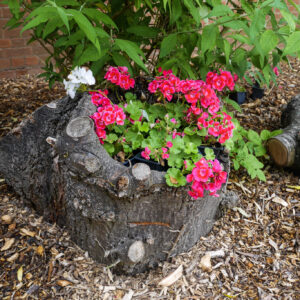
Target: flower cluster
120 77
207 175
219 125
106 114
167 84
220 81
77 77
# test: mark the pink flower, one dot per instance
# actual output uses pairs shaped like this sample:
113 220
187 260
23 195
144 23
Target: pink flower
235 78
275 70
173 120
146 153
219 82
164 150
169 144
165 155
159 69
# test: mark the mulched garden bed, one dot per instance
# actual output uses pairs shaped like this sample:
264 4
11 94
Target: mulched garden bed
260 238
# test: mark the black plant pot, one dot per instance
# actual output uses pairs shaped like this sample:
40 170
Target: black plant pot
151 163
257 92
218 151
239 97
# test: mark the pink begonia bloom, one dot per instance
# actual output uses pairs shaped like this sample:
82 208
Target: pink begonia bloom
235 77
173 120
164 150
275 70
169 144
165 156
159 69
146 153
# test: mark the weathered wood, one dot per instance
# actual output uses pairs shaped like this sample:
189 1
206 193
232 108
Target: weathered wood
285 148
125 216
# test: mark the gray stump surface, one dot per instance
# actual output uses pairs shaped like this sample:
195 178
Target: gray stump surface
125 216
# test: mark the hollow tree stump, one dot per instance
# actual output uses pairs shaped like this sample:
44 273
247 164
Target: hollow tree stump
285 148
123 216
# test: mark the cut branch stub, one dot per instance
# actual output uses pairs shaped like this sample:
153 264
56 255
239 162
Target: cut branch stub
282 149
79 127
136 251
141 172
285 148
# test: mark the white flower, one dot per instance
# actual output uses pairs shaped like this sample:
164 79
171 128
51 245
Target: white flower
77 77
71 88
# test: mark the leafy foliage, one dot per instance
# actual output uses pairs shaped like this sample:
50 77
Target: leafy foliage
189 36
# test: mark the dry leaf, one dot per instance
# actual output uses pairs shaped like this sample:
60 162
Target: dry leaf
8 243
172 278
13 257
6 219
63 283
25 231
20 274
173 180
205 263
40 250
278 200
28 276
12 226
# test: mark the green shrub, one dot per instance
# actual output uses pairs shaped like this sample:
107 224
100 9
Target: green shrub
190 37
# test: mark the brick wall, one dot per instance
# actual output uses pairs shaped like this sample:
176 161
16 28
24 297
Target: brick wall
17 58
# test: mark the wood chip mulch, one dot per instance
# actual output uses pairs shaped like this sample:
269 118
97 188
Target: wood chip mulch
257 242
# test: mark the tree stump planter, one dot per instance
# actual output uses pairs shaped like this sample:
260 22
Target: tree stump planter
125 216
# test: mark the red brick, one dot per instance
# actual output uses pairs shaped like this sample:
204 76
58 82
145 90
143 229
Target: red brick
32 61
18 61
4 63
18 52
18 42
5 43
6 13
13 33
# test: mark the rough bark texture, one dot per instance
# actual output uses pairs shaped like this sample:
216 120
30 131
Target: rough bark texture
285 148
125 216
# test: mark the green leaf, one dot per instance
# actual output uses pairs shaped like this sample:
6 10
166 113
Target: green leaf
86 27
34 23
193 10
260 150
120 60
144 31
254 137
268 41
241 38
97 16
209 153
89 54
220 10
227 50
176 11
289 19
109 148
234 104
133 51
276 132
168 44
292 43
261 176
111 138
51 26
63 17
174 177
265 135
14 7
209 37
